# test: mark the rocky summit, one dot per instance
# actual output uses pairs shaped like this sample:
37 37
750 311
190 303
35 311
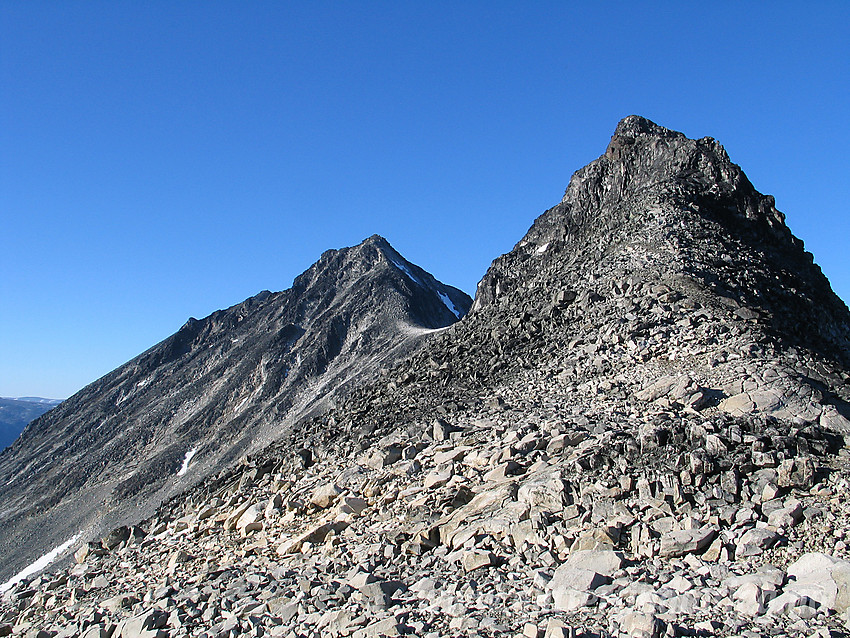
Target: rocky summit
637 431
218 389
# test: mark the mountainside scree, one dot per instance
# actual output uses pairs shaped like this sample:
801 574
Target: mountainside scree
637 431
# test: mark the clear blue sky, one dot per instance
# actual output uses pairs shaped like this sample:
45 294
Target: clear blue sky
161 160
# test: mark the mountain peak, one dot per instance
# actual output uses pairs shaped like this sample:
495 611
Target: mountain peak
634 125
375 240
215 390
659 202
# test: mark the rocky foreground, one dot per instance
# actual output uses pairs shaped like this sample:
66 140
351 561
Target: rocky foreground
637 432
520 520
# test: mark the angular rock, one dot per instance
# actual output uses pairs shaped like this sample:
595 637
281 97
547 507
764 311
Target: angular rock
477 559
687 541
324 495
822 578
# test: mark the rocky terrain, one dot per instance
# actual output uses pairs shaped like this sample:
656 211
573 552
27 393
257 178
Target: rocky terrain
212 392
15 413
637 431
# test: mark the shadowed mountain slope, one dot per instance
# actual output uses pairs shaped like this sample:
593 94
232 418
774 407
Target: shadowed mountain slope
216 389
16 413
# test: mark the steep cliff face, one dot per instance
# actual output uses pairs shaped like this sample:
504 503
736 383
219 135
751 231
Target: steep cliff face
216 389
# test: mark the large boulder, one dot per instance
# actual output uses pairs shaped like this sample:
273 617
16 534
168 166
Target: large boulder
687 541
823 578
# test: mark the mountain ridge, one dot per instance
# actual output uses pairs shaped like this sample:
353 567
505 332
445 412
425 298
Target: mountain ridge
16 412
638 430
219 385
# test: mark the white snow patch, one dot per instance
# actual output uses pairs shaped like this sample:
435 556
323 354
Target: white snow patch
40 564
406 271
449 304
186 460
418 330
542 249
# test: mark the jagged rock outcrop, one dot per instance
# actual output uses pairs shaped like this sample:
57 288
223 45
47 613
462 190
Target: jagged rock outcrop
213 391
638 431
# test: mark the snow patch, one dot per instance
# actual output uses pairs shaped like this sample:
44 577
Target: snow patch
407 272
40 564
186 460
449 304
419 330
542 249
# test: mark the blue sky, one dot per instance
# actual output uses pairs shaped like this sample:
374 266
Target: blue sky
161 160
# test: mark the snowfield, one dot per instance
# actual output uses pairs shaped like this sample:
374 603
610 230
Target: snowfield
450 304
40 564
186 460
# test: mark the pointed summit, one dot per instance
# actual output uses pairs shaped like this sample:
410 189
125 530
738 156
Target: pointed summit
215 390
659 205
632 126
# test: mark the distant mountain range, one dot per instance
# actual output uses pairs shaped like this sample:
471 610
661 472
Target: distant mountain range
15 413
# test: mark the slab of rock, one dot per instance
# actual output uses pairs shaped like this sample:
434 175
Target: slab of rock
567 577
313 534
660 388
148 624
822 578
756 540
490 510
569 599
555 628
750 599
324 495
251 520
687 541
386 628
598 538
438 478
543 490
787 516
790 603
832 419
353 505
95 631
796 472
641 625
477 559
601 561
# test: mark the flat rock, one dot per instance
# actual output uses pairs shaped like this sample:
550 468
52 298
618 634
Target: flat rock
601 561
477 559
687 541
822 578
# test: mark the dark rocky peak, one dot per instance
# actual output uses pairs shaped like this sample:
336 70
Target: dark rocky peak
373 265
216 389
660 207
645 160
